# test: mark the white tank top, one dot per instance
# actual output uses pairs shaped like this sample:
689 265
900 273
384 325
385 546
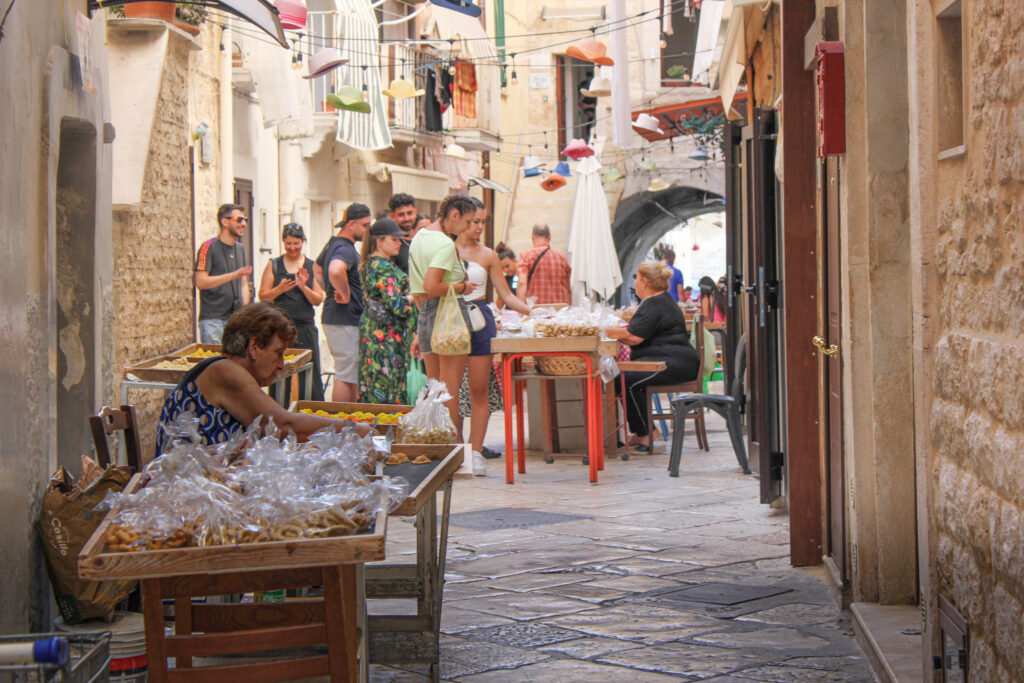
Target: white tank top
476 274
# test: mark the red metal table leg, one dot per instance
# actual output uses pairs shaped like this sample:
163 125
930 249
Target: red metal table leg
506 379
520 428
599 418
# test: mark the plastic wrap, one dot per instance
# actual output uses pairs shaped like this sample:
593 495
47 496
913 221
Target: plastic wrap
256 487
608 368
429 421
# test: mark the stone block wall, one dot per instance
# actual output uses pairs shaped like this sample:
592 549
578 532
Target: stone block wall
977 413
153 253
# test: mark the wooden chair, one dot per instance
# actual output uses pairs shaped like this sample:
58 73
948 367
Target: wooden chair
108 421
728 406
694 386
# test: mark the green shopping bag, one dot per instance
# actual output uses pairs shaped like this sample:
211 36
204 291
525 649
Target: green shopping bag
415 380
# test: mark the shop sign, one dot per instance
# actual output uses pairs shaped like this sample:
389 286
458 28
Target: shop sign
831 82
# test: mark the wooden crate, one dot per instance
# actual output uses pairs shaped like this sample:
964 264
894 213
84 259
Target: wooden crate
95 562
343 407
302 356
145 371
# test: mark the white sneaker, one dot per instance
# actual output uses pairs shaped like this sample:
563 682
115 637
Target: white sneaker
479 465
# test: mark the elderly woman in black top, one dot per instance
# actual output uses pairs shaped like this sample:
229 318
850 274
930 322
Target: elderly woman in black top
657 332
288 282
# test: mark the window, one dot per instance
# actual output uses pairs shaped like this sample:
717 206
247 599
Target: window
683 18
949 72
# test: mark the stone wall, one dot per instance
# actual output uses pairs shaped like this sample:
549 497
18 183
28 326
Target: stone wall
153 250
976 421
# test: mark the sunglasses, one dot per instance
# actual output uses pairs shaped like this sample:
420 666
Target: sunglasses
240 219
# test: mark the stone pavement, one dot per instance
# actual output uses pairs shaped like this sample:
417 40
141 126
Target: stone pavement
639 578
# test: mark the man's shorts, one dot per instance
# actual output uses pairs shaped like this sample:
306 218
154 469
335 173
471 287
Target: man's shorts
343 341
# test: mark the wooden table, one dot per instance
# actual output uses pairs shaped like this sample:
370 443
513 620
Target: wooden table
415 638
513 350
200 629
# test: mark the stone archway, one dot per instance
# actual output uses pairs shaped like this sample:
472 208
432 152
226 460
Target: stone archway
643 218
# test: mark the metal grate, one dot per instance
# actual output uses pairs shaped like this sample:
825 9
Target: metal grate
509 518
718 593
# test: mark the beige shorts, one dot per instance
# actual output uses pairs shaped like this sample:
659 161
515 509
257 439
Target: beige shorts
343 341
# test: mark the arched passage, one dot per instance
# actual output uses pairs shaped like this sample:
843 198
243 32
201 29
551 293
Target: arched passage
642 219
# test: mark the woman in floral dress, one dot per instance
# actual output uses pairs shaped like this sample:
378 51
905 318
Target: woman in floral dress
388 324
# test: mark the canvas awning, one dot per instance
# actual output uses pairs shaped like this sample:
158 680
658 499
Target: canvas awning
734 58
471 40
427 185
260 13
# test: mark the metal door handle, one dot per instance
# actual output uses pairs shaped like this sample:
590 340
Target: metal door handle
829 351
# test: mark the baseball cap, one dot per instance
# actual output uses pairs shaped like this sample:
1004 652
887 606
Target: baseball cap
354 212
386 226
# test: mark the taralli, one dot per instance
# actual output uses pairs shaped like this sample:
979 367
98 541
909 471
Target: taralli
422 460
397 459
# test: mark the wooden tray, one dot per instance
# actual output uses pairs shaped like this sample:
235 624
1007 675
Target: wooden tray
302 356
95 563
424 480
591 344
343 407
145 371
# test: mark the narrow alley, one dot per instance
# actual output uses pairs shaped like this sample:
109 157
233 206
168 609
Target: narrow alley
641 577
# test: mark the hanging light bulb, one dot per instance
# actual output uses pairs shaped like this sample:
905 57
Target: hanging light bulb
664 41
515 77
451 67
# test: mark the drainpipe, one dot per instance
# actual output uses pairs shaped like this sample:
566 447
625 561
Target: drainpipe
227 133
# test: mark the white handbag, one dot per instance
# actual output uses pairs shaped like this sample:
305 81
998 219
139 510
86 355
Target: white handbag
477 321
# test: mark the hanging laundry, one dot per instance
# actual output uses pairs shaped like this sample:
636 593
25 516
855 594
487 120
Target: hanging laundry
465 89
432 104
444 90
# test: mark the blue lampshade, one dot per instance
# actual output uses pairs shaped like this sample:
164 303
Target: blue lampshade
563 169
531 172
464 6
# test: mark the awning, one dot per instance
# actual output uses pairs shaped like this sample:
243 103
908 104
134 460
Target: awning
471 40
360 45
489 184
734 59
427 185
260 13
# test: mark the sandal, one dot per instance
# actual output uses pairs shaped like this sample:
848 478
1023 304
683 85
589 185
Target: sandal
641 448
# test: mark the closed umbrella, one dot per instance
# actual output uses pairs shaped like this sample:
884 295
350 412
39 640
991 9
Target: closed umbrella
595 264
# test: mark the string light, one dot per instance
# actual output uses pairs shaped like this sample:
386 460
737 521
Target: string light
515 77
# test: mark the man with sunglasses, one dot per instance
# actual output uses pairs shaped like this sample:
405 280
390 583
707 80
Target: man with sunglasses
222 272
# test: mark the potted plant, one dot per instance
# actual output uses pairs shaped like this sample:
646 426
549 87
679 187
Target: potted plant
189 17
150 10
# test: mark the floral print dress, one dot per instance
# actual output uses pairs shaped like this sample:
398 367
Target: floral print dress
385 332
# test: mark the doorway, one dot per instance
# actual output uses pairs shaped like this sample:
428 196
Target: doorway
831 373
243 197
758 235
74 290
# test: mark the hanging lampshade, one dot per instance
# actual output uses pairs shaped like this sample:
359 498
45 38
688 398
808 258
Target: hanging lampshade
612 174
590 50
646 122
657 185
577 149
455 151
700 153
562 169
292 13
531 172
402 89
531 162
648 163
553 182
463 6
349 98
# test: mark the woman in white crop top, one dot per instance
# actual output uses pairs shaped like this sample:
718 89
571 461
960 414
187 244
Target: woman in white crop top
481 264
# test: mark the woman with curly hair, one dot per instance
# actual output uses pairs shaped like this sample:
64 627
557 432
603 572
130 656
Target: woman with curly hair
388 324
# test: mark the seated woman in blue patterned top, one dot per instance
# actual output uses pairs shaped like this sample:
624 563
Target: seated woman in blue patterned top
224 392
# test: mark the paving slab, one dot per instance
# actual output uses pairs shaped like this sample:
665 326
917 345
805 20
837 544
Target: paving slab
684 659
645 623
590 647
569 671
523 606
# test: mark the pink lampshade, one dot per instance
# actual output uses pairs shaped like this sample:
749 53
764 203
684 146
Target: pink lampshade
292 13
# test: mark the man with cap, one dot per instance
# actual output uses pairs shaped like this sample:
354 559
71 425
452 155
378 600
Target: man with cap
337 269
403 213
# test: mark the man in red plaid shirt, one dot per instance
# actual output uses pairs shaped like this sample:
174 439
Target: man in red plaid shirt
543 272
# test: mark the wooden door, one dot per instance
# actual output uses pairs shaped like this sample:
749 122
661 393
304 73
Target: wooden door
760 304
831 376
734 253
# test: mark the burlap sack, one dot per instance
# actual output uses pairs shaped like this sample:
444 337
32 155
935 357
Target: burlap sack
66 522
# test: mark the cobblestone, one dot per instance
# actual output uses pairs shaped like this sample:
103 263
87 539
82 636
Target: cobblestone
586 599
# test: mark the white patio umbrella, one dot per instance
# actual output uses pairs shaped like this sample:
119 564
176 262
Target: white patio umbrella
595 264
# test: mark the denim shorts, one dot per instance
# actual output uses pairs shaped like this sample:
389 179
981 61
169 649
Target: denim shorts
428 314
480 340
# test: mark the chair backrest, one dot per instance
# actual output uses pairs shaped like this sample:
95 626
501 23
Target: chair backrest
737 390
698 332
108 421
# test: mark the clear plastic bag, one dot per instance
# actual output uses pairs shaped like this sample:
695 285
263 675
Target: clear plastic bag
608 368
256 487
450 336
429 421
